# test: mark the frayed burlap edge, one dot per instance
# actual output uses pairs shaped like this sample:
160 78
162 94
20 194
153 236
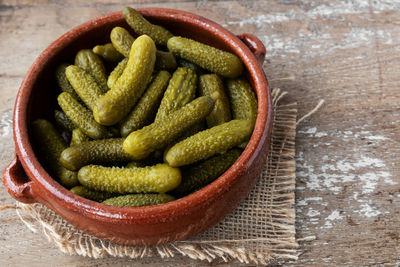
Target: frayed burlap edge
279 244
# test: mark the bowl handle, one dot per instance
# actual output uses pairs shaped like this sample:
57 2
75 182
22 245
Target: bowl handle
255 45
17 182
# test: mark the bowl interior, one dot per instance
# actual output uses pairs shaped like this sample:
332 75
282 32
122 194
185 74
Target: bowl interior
41 99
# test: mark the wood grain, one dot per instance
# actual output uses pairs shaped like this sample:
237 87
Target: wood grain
346 52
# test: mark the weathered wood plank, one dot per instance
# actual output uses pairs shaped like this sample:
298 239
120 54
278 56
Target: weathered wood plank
348 191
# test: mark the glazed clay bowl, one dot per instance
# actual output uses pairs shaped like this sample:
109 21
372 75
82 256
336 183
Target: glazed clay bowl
27 180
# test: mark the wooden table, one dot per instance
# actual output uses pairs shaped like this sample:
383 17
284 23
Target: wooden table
346 52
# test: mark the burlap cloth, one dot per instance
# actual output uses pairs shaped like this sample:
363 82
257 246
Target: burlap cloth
260 230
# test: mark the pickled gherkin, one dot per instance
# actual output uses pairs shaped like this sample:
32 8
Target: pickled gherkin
117 102
202 173
92 64
180 91
140 25
81 117
165 61
122 40
94 152
116 73
185 63
78 137
108 52
84 85
160 178
63 82
63 121
142 142
85 192
216 140
215 60
212 85
243 100
145 109
50 145
139 200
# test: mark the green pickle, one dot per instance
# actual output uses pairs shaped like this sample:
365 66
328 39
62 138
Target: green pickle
216 140
78 137
81 117
92 64
140 25
243 100
185 63
108 52
117 102
148 103
94 152
117 72
63 121
160 178
200 174
122 40
180 91
139 200
215 60
212 85
84 84
142 142
50 145
85 192
63 82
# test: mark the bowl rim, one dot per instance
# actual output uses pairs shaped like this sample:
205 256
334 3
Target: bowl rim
157 213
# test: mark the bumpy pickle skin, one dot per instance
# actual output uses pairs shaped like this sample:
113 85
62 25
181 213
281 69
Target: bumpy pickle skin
139 200
94 152
63 82
92 64
243 100
216 140
215 60
122 40
78 137
200 174
116 73
85 192
142 142
50 145
212 85
108 52
140 25
185 63
180 91
63 121
148 103
84 85
81 117
117 102
159 178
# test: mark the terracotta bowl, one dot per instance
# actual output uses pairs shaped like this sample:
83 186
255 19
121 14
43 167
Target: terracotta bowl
27 181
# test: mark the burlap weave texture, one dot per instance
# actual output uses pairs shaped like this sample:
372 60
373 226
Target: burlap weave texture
260 230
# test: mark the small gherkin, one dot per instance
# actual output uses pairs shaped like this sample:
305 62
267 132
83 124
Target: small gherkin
108 52
118 101
207 143
50 145
92 64
210 58
140 25
85 192
139 200
159 178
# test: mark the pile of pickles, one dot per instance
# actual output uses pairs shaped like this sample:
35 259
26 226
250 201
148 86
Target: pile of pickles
172 116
